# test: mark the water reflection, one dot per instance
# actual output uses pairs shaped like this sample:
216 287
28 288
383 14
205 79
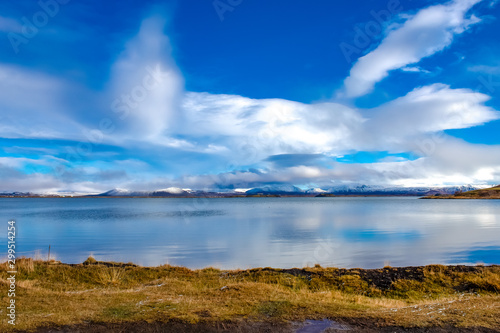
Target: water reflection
251 232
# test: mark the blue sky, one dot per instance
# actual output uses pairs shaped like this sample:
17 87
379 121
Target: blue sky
237 94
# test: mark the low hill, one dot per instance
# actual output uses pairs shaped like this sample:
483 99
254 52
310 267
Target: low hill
486 193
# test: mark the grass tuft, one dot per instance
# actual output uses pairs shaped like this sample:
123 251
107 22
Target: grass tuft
90 261
110 275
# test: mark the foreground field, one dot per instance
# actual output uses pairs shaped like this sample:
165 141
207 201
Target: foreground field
114 297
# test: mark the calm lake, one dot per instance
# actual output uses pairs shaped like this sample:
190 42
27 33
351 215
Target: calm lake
365 232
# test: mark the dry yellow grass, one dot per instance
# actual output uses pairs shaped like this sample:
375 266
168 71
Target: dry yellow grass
51 294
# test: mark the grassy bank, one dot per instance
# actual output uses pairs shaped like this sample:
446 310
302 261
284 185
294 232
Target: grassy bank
50 294
487 193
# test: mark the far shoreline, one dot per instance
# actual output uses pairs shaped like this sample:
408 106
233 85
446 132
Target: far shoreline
487 193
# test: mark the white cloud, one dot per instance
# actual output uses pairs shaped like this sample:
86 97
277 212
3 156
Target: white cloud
254 129
140 101
427 110
452 161
448 161
427 32
146 84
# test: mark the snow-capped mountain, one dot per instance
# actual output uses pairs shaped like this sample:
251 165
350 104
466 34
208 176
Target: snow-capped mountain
397 190
171 191
360 189
118 192
316 190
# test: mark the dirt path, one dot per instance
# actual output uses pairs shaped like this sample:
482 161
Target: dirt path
325 326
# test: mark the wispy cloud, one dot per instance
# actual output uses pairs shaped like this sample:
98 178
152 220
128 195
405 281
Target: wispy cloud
415 69
494 70
427 32
146 83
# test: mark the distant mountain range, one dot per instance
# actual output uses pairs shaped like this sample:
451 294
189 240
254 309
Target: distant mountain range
358 189
167 192
270 190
